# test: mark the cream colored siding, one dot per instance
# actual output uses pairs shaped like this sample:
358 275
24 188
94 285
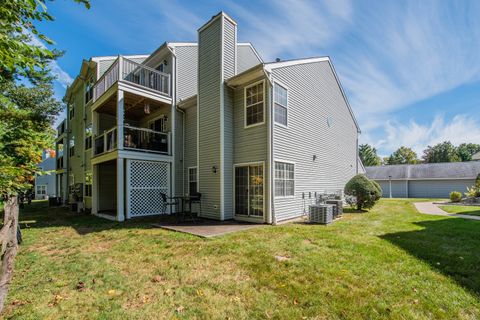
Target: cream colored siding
313 97
186 71
190 142
209 71
246 58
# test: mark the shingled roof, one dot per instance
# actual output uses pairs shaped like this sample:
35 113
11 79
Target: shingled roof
448 170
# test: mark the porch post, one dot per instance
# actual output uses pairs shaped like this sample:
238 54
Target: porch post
95 189
120 189
120 119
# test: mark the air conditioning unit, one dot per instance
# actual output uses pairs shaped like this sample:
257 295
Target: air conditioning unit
320 213
337 209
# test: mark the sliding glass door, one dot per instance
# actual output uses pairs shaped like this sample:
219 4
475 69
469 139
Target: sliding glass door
249 190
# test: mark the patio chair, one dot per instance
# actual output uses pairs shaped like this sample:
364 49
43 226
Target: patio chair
168 202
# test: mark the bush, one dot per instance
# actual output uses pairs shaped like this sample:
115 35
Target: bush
473 192
379 189
365 191
455 196
477 181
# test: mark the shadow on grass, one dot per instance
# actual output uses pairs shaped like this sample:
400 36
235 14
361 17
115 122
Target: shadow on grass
449 246
40 215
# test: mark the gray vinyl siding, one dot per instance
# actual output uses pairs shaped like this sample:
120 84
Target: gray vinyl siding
246 58
251 144
399 189
313 96
437 188
190 158
186 71
229 58
209 70
179 153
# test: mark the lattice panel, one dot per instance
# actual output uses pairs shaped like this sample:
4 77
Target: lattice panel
146 180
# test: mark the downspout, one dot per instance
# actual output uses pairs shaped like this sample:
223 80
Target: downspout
273 218
183 117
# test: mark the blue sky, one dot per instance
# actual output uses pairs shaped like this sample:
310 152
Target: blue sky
411 69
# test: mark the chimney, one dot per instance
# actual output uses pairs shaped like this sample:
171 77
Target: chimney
217 42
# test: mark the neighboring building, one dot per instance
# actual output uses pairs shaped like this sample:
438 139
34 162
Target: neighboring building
45 183
255 139
430 180
476 156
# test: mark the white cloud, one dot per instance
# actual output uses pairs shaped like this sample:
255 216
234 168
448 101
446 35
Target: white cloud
62 77
461 128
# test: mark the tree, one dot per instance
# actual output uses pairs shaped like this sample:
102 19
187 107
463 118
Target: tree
403 155
27 111
441 152
466 150
365 192
368 155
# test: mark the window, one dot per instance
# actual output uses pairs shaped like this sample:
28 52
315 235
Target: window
284 179
161 67
88 184
88 137
89 90
192 180
159 124
71 110
281 104
41 190
254 104
71 147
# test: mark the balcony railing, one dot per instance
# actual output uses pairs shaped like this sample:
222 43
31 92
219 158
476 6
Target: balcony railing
130 71
146 140
106 142
136 139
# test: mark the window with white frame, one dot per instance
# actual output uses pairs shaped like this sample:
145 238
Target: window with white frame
88 183
281 104
89 90
284 179
41 190
254 104
192 180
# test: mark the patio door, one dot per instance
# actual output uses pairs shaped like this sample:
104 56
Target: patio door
249 184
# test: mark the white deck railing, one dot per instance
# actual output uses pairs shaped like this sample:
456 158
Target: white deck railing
133 72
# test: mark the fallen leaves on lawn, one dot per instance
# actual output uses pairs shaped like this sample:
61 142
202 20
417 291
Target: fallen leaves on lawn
56 300
282 258
180 309
81 286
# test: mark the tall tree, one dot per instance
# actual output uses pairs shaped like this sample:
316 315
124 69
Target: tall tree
441 152
403 155
466 150
27 111
368 155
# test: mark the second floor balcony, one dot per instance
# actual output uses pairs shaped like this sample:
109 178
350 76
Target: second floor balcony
135 139
134 74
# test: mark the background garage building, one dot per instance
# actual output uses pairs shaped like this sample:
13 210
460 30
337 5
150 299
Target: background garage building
430 180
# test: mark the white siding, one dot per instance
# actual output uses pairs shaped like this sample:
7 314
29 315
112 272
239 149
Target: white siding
186 71
314 96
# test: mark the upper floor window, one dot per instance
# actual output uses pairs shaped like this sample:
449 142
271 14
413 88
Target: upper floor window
254 104
71 110
284 179
280 104
71 147
89 90
88 137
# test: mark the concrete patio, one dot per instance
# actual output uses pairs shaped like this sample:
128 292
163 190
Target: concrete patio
207 228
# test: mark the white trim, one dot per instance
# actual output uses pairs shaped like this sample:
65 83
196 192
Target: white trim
247 164
222 123
281 64
270 135
276 82
245 104
294 179
214 18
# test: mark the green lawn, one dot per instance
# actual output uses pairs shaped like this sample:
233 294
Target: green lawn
390 263
470 210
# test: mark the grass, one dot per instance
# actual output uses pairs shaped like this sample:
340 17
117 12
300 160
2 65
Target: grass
469 210
390 263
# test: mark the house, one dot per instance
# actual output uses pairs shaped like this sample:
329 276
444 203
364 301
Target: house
256 139
429 180
45 185
476 156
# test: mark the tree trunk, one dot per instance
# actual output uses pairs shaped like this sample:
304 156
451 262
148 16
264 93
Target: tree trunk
8 239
